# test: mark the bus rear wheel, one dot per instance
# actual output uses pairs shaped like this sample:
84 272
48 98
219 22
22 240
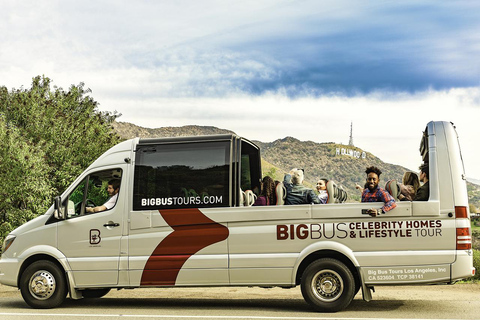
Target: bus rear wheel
43 285
328 285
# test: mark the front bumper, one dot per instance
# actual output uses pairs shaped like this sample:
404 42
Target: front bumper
9 271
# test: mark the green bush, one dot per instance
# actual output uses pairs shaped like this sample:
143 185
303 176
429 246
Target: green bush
476 264
48 137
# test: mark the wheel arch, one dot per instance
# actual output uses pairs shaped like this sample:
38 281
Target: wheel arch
38 257
333 250
43 253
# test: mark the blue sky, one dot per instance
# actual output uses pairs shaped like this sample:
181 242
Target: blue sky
264 69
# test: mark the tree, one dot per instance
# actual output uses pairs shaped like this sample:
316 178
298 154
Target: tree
25 188
272 173
48 138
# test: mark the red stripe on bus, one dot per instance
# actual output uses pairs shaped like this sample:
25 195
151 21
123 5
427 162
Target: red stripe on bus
192 231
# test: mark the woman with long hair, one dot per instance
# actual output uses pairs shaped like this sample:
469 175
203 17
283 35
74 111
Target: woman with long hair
267 195
409 186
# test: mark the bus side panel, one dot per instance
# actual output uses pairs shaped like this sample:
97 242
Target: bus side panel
177 247
389 241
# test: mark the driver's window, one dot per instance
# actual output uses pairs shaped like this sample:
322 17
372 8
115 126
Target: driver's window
75 201
96 193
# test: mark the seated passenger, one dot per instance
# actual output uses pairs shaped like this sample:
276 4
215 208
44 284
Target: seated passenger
409 186
267 196
373 193
423 193
322 190
112 190
296 192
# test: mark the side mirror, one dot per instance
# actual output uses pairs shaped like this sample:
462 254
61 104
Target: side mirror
58 212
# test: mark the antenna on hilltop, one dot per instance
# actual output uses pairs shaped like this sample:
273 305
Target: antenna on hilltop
350 141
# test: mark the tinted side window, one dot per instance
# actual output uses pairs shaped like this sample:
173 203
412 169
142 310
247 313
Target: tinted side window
187 175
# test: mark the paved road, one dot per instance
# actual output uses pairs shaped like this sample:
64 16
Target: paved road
461 301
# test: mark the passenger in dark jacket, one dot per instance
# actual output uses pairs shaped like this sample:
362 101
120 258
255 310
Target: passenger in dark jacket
423 193
296 192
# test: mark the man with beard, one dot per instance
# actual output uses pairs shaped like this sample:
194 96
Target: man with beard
373 193
113 187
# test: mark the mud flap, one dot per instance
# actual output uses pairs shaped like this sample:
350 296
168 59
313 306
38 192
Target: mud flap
74 293
366 290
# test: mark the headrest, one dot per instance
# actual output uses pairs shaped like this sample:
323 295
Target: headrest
281 193
249 198
335 194
331 191
242 197
393 188
340 195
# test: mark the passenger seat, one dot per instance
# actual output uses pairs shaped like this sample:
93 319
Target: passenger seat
335 194
393 188
281 194
248 198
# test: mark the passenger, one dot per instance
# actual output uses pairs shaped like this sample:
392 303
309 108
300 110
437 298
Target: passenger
267 196
409 186
373 193
322 190
112 190
423 193
296 192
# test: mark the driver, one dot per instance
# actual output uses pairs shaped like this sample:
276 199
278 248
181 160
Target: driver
112 189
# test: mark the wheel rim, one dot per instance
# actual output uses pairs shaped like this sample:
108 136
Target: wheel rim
327 285
42 285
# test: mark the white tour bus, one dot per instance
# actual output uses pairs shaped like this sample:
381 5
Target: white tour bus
180 219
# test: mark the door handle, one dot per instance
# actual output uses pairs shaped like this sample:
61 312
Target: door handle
111 224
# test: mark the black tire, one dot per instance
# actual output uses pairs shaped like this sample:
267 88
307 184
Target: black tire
43 285
357 287
328 285
94 293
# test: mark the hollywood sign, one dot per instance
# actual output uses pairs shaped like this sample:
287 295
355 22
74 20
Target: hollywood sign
351 153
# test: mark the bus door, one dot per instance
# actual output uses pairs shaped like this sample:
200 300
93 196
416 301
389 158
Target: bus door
91 240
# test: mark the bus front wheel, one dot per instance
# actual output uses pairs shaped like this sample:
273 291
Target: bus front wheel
43 285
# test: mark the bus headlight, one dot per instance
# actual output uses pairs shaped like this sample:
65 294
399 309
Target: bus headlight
8 242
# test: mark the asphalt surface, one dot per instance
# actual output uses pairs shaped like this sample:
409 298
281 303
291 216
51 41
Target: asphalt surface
460 301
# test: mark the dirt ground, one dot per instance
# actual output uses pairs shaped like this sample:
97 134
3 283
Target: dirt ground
460 291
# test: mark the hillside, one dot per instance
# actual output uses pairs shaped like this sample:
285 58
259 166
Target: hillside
128 131
344 164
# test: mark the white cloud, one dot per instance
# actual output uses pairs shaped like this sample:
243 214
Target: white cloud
234 65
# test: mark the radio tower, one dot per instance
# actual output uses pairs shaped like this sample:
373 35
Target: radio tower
350 142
